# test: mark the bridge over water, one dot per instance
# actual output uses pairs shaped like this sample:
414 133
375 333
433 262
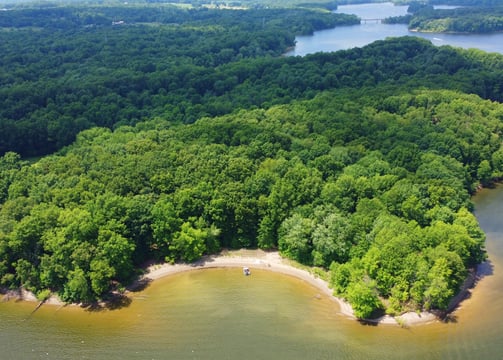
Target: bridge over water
376 20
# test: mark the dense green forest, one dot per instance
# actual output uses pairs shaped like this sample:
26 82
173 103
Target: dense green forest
56 82
347 180
360 162
478 18
68 69
461 20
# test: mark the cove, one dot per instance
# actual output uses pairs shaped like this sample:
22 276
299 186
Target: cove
221 314
347 37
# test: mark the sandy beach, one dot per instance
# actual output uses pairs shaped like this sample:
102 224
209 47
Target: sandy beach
253 259
272 261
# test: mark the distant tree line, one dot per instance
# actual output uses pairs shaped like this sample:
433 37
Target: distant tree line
472 19
59 78
466 2
123 75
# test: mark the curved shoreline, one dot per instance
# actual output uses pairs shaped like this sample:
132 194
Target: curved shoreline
254 259
272 261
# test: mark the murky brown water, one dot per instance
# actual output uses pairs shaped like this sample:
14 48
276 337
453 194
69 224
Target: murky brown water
220 314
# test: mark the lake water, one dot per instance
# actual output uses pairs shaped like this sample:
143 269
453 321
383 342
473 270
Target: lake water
220 314
347 37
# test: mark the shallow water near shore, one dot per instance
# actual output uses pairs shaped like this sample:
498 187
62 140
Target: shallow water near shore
221 314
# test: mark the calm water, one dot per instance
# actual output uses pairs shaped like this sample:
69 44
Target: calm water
220 314
346 37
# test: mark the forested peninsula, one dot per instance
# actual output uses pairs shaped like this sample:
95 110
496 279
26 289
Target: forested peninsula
360 163
464 17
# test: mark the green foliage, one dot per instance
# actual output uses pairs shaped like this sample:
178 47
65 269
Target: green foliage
444 278
295 238
158 191
66 69
473 19
332 240
189 244
77 288
363 299
361 160
165 224
153 68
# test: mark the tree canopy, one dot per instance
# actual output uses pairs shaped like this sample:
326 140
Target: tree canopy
361 162
318 179
469 17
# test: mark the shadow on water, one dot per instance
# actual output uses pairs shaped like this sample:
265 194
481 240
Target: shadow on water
450 318
118 301
374 318
114 301
483 270
139 285
368 322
